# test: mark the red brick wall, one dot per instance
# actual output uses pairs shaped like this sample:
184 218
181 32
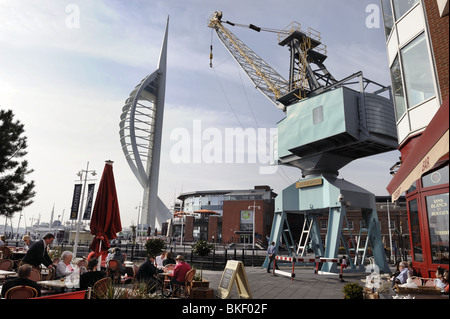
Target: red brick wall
232 217
439 32
189 229
213 224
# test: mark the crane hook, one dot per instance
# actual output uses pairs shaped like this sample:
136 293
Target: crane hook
210 57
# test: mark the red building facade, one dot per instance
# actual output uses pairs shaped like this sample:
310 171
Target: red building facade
417 41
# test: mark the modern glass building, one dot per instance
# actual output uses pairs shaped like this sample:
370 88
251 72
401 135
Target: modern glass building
417 42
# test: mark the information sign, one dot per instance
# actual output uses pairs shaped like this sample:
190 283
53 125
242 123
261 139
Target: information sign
234 272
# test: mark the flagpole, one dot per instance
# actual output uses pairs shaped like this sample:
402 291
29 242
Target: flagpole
80 211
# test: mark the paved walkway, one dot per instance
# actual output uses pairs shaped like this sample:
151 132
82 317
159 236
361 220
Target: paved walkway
306 284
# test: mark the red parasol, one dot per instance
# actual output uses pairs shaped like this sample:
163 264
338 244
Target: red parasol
105 221
206 211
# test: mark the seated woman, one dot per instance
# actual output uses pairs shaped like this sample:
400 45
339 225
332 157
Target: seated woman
65 267
89 278
116 254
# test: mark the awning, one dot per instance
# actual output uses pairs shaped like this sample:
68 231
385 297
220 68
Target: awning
432 145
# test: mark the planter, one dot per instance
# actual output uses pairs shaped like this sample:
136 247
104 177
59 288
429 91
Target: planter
199 284
202 293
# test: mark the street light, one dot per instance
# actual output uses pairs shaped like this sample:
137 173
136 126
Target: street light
389 222
139 213
80 174
249 207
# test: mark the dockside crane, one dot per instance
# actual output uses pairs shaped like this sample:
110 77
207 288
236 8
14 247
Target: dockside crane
328 124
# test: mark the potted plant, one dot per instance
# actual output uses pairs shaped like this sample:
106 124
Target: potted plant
202 248
155 246
353 290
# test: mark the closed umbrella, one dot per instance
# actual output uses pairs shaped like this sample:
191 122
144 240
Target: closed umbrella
105 221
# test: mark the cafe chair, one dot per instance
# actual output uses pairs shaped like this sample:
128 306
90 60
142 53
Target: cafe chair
6 252
21 292
101 287
113 270
35 274
135 271
82 263
167 268
6 264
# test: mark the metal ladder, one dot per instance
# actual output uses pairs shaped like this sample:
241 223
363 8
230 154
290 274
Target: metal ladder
307 225
362 232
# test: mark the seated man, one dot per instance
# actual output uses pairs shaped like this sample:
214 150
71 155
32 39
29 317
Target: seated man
404 273
179 272
147 274
22 280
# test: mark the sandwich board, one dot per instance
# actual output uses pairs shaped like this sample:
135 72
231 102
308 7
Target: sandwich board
234 272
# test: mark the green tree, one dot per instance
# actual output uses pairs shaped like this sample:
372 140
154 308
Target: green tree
202 248
155 246
15 192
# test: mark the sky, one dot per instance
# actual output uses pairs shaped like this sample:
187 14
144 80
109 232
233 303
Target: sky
67 67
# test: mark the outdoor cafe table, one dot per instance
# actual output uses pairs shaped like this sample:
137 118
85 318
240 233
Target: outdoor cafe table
7 273
165 275
57 284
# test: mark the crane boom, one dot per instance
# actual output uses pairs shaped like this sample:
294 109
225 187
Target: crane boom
265 78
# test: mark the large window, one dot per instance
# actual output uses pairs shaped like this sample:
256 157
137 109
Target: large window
437 209
417 72
399 96
402 6
415 231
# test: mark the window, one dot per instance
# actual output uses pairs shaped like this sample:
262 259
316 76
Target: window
399 96
323 224
437 210
436 178
419 80
350 224
415 231
402 6
412 188
318 115
387 16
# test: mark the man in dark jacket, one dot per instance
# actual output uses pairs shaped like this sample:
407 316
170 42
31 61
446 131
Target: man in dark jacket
23 279
147 274
38 254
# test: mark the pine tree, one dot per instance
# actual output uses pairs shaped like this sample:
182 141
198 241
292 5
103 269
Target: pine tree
15 192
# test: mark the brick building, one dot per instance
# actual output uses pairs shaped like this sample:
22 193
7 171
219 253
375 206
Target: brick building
225 216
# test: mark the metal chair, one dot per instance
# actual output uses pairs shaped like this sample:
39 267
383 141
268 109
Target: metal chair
21 292
101 287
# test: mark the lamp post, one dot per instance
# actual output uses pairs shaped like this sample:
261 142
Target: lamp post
139 213
80 174
389 223
253 215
